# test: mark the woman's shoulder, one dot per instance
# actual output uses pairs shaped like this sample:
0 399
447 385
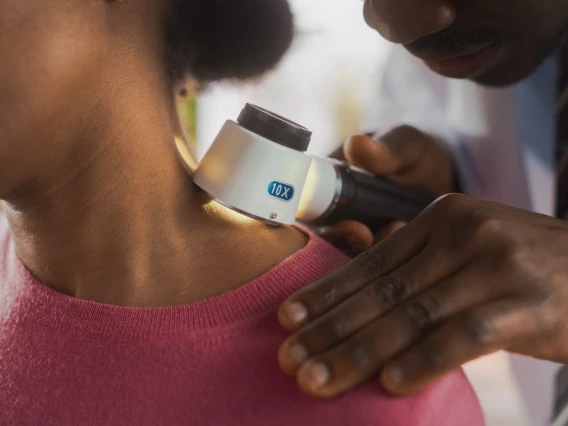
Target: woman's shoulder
451 401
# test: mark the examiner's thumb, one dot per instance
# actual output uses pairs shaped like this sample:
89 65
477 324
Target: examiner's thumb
371 155
348 235
399 151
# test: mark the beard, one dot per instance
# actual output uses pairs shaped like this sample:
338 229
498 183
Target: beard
525 56
533 57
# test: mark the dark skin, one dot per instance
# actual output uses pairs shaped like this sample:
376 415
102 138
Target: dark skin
99 204
467 277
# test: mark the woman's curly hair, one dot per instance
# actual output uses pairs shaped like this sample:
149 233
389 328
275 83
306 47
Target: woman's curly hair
219 39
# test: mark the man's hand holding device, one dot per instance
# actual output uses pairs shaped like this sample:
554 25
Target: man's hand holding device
404 156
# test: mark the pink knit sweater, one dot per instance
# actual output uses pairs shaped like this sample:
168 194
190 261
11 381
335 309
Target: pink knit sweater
65 361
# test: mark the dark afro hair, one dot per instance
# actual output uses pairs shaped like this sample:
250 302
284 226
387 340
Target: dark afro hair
226 39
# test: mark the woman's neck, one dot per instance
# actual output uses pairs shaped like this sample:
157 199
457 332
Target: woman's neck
119 221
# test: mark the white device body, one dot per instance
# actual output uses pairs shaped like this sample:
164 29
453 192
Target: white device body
252 175
321 191
272 179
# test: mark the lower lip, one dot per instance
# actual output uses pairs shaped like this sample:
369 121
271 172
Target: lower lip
470 66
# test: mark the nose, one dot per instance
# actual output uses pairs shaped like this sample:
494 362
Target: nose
404 21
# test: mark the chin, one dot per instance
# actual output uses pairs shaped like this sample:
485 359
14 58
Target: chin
499 79
515 66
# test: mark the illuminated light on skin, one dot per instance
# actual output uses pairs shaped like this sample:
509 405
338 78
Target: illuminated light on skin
212 208
218 210
186 155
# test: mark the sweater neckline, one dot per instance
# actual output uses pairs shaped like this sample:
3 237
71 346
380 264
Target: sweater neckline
260 296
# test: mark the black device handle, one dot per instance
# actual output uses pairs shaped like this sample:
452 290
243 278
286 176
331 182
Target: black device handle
374 201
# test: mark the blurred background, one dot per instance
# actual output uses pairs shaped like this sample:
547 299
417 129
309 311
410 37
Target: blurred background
327 82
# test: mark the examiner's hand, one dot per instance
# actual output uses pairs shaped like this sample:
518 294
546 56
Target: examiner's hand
405 156
465 279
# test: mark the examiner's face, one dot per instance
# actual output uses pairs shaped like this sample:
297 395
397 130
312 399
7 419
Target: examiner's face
493 42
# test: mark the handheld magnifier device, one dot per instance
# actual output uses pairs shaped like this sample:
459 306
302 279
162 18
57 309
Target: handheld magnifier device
258 166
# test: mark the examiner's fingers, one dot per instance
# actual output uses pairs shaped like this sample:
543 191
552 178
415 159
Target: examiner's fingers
388 230
347 235
404 290
475 333
358 354
375 157
318 298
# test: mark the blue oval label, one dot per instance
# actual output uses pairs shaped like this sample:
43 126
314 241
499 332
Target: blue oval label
280 190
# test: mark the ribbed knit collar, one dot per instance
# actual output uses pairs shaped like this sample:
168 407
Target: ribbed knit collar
260 296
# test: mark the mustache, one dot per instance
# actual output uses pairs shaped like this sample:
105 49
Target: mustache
452 42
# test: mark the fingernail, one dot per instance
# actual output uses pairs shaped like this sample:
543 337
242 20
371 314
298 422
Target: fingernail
322 230
354 243
320 374
297 312
298 353
395 375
